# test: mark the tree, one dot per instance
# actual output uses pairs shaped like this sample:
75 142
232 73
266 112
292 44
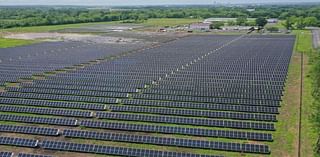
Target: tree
288 24
231 23
311 21
273 29
300 23
217 25
241 20
261 22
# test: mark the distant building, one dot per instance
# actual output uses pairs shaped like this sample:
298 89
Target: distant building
273 20
251 10
213 20
239 28
200 26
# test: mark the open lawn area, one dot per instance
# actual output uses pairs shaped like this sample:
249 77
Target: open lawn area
169 22
5 43
161 22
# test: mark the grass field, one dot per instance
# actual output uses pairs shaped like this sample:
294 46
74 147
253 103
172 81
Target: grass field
50 28
169 22
151 22
286 138
5 43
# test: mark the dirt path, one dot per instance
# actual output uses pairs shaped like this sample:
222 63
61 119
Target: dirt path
316 38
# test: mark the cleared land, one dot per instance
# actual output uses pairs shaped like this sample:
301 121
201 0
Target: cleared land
116 29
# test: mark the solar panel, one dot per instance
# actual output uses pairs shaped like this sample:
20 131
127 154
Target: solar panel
58 97
204 106
18 142
111 150
29 130
176 130
46 103
213 145
67 92
39 120
194 113
186 121
6 154
47 111
32 155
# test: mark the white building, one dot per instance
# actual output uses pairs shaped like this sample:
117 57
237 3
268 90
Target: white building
200 26
273 20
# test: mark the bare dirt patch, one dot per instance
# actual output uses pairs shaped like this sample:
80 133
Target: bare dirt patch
89 38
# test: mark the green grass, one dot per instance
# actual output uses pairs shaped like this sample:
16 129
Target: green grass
308 135
37 29
278 25
286 137
303 41
161 22
169 22
5 43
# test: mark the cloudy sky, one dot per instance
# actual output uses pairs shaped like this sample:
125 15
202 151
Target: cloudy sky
135 2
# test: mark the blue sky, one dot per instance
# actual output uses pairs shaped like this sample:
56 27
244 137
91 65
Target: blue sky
135 2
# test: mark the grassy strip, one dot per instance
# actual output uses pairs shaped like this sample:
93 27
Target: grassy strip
303 41
308 134
5 43
169 22
161 22
286 137
37 29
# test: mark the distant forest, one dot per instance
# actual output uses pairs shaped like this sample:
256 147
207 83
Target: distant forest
295 16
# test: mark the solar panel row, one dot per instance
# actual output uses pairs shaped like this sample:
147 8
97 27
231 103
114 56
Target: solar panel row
187 121
58 97
6 154
32 155
153 128
18 142
77 87
68 92
38 120
59 104
217 94
40 83
207 99
194 113
249 148
112 150
204 106
46 111
89 148
29 130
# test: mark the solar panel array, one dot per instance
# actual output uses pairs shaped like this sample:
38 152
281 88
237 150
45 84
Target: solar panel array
183 95
24 61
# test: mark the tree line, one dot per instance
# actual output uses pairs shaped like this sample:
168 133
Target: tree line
296 16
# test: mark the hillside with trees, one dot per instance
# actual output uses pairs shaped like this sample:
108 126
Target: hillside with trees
296 17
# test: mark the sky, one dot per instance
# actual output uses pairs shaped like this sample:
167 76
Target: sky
139 2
